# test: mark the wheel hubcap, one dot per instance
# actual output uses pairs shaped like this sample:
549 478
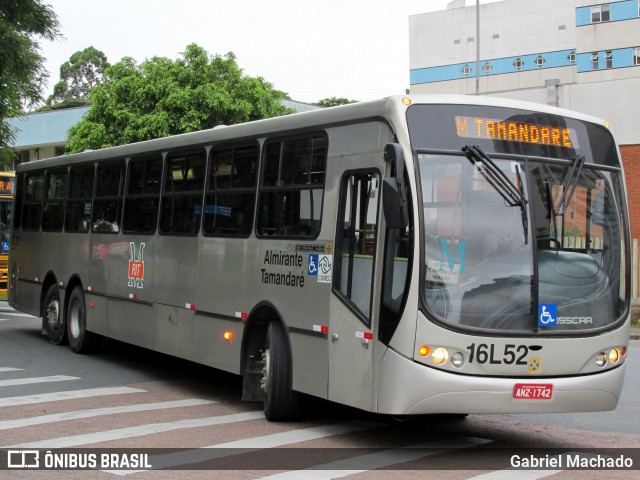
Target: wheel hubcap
266 355
52 315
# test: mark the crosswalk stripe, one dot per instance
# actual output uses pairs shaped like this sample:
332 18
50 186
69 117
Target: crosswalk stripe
17 314
68 395
9 369
31 380
386 458
138 431
516 475
97 412
274 440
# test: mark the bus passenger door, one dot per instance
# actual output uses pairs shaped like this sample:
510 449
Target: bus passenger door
353 308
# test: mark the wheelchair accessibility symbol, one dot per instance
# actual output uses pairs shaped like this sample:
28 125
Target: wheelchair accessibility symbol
313 264
547 315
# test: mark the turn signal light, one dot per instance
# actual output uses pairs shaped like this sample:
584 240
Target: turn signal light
424 351
228 336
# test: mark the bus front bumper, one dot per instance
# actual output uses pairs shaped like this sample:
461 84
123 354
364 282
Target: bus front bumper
408 388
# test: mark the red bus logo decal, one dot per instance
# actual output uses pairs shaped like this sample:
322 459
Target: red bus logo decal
136 266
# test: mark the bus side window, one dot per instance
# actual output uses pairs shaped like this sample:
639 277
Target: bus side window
356 242
78 211
34 195
181 203
108 199
143 195
19 197
231 191
292 189
55 195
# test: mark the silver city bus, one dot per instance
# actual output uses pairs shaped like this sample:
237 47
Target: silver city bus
425 254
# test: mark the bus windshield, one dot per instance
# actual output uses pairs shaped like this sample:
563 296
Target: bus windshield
546 258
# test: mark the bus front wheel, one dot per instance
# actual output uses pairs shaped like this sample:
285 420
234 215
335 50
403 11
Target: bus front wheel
280 400
80 340
53 324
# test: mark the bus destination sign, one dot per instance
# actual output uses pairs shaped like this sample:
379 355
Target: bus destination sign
509 131
6 186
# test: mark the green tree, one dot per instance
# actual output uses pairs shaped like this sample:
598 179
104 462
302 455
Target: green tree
333 101
83 71
163 97
22 73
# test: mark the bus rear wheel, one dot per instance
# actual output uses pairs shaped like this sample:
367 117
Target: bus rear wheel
53 324
80 340
280 401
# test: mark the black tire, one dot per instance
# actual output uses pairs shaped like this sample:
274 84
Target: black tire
80 340
53 324
280 401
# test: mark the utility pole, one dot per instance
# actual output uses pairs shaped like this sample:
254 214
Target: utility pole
477 47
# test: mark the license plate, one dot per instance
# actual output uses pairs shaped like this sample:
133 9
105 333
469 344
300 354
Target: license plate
529 391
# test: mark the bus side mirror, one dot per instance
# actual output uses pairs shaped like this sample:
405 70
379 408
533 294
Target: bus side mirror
394 190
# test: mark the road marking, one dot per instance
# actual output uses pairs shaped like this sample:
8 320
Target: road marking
4 319
386 458
28 381
122 433
70 395
516 475
16 314
9 369
98 412
274 440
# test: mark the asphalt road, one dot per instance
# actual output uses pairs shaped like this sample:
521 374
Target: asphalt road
128 397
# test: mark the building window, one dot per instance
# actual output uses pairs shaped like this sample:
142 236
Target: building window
540 61
470 40
600 13
466 70
594 60
487 67
496 36
562 27
609 58
456 42
636 56
572 57
518 64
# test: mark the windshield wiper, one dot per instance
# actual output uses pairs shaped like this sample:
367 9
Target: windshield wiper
513 195
569 185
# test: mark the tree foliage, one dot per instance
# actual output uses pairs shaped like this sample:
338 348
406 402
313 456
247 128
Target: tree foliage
83 71
162 97
22 73
333 101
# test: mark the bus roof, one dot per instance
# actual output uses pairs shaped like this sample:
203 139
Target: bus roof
299 122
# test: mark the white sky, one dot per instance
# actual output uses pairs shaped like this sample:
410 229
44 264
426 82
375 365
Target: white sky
311 50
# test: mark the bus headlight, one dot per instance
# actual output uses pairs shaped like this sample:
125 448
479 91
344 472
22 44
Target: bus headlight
457 360
440 356
601 359
614 356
